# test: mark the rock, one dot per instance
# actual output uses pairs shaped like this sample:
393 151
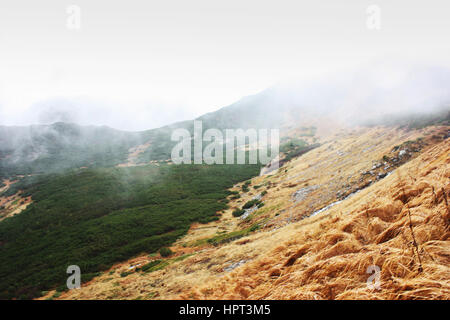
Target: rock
381 175
376 165
234 265
248 212
302 193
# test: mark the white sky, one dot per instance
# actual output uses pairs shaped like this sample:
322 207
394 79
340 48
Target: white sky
138 64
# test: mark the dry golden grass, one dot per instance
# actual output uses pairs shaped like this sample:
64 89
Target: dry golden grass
328 259
13 204
400 224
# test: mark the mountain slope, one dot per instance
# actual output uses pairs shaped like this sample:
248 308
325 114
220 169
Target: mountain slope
310 242
95 217
60 146
379 94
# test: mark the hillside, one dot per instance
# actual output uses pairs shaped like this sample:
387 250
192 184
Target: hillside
96 217
109 200
366 196
419 99
42 149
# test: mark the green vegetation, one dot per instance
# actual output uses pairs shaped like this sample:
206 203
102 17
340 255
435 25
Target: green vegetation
61 146
238 212
231 236
161 264
292 144
149 266
251 203
247 205
96 217
165 252
296 147
245 186
181 258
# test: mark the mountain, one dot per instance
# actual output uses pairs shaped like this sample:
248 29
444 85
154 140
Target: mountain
59 146
367 199
375 94
360 160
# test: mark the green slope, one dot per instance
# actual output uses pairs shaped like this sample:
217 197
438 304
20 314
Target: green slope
60 146
95 217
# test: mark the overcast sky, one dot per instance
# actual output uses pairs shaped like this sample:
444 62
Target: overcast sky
138 64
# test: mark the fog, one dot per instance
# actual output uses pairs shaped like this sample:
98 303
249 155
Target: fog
139 64
351 97
383 87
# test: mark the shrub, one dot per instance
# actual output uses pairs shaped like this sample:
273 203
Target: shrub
245 186
165 252
238 212
150 265
126 210
251 203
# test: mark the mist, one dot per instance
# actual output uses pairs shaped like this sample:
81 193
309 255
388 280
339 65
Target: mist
142 65
370 91
350 97
130 116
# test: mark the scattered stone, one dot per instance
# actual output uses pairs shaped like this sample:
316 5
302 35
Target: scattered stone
376 165
302 193
248 212
381 175
234 265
